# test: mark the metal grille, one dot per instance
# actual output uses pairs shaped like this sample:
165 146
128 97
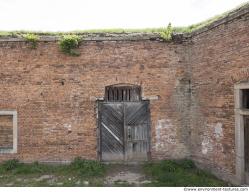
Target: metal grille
122 92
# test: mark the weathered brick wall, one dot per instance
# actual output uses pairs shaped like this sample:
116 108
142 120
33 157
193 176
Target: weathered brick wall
192 81
54 94
218 59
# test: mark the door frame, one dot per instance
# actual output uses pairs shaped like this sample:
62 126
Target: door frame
241 176
98 102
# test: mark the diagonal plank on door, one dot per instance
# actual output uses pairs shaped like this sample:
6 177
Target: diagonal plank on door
124 131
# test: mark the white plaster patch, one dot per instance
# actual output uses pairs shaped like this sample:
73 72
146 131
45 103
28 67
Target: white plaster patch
48 128
165 134
68 126
218 130
206 146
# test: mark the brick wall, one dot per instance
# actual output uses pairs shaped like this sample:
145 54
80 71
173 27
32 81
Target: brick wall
192 78
218 59
54 94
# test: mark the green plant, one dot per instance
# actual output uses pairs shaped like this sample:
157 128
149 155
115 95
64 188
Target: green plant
186 164
68 44
32 38
15 167
29 168
10 165
166 34
180 173
87 167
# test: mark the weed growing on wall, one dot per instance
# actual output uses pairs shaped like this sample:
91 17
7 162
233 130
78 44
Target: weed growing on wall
68 44
166 34
32 38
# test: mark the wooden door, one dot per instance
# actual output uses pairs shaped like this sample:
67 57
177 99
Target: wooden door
111 131
124 131
136 124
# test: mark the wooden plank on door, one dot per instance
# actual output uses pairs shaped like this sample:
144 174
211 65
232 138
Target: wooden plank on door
112 132
136 126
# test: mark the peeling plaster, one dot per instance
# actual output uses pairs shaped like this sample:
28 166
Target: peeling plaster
206 145
218 130
165 134
68 126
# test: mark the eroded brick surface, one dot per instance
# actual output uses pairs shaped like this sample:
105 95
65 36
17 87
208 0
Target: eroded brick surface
218 59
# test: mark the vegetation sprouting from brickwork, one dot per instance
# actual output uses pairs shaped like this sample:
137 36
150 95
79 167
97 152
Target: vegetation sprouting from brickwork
166 34
187 29
32 39
69 43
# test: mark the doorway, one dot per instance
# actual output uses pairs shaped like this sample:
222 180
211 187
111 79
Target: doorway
124 125
242 132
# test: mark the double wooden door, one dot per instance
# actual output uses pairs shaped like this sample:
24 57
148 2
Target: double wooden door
124 131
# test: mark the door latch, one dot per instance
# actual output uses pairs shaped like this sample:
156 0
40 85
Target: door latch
129 133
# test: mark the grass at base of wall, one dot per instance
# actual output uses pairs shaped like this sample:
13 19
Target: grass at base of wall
80 172
182 173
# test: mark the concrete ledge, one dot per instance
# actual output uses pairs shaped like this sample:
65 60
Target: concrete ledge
177 37
95 37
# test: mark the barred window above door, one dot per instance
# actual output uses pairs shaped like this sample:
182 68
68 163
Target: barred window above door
123 92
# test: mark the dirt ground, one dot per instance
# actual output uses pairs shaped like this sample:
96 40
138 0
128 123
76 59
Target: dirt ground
116 175
126 175
165 173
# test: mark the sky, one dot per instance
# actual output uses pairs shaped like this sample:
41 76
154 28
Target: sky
68 15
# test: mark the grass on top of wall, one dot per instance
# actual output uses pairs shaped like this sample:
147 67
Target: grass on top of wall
184 29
